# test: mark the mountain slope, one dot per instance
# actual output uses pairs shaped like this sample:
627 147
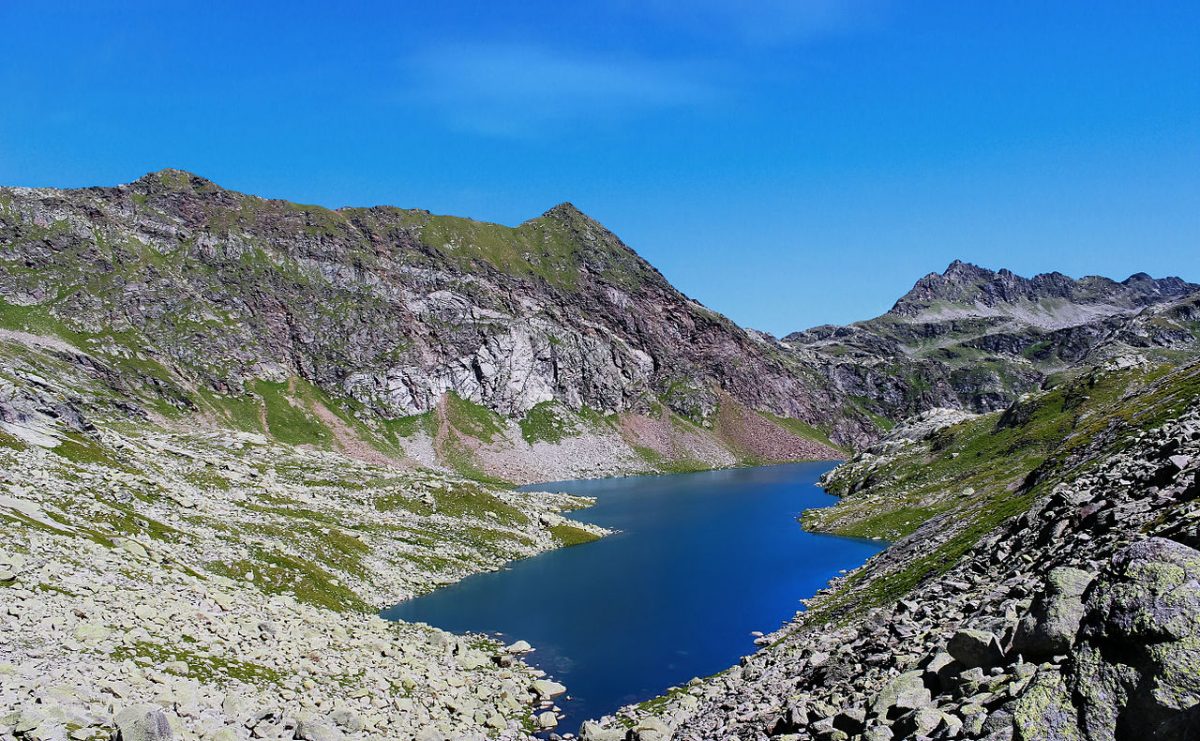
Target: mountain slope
1044 584
976 339
435 339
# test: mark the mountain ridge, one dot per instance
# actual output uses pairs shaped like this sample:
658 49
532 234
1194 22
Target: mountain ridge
977 339
387 311
964 282
577 351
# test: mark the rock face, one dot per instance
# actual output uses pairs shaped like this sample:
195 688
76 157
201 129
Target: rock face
180 296
977 339
190 296
1049 300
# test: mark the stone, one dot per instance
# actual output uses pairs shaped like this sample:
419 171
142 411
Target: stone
850 720
975 648
316 730
143 723
132 547
547 720
651 729
1053 620
91 632
1138 659
941 670
593 731
347 720
519 647
1044 710
919 722
878 733
546 688
902 694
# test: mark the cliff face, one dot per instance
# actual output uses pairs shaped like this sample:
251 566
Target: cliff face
197 295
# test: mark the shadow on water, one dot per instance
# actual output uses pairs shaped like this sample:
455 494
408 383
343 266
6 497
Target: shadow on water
702 560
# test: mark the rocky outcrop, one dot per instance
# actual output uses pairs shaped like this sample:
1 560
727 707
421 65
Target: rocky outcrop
1136 672
217 585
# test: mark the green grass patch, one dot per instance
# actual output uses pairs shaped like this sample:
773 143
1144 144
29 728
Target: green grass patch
202 667
568 535
662 464
473 419
281 573
11 442
547 422
800 428
80 449
469 500
244 413
289 422
412 425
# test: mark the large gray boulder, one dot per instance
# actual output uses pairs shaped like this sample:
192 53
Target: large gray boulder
311 729
593 731
975 648
1053 620
902 694
1044 711
1137 664
143 723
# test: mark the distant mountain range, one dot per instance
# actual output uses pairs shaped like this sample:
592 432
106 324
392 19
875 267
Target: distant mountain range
546 350
974 338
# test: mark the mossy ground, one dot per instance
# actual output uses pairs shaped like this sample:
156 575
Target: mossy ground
201 667
568 535
548 422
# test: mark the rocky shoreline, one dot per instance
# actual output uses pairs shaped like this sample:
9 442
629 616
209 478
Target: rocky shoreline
1078 619
141 603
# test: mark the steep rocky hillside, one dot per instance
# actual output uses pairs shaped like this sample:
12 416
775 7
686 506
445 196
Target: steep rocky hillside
221 583
1044 584
975 339
542 351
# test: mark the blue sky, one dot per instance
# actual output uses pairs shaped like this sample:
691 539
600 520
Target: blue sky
786 162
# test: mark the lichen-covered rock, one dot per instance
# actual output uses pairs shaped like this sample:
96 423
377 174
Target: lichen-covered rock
143 723
593 731
1138 662
904 693
1050 627
1044 711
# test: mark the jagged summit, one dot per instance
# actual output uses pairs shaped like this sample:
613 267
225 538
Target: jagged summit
173 179
966 290
565 210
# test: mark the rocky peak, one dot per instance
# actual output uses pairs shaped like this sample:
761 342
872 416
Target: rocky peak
173 180
965 290
566 211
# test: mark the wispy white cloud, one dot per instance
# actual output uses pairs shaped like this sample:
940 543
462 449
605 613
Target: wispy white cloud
519 90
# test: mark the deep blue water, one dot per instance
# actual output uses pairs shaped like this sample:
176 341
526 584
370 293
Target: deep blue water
702 560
